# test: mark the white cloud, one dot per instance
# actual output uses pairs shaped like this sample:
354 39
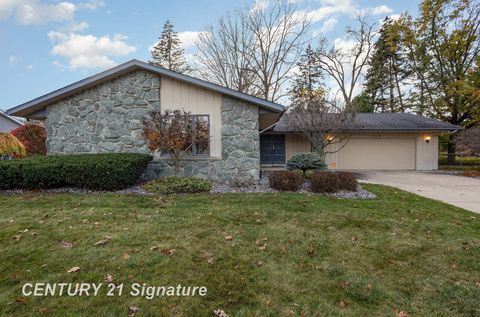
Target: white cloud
328 8
188 38
89 51
13 59
29 12
92 4
328 25
75 27
259 5
382 9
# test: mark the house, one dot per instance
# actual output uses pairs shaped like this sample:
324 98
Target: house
104 113
8 123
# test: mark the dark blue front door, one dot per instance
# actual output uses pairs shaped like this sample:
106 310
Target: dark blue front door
272 149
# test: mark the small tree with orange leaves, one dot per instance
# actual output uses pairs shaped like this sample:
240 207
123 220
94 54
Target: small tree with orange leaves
174 132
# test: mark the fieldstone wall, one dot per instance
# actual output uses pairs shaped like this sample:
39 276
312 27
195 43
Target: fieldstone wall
240 148
106 118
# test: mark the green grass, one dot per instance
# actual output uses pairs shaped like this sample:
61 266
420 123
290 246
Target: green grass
399 252
459 168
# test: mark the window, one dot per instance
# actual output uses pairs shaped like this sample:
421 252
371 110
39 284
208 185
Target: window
200 135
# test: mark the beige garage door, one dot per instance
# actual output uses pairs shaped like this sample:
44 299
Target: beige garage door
378 154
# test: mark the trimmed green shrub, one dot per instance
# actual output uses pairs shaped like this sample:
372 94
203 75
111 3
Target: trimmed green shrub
306 161
331 182
178 185
464 161
109 171
285 180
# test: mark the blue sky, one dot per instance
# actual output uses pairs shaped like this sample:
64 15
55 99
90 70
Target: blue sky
49 44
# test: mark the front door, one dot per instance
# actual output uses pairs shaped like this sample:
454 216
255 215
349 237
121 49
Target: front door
272 149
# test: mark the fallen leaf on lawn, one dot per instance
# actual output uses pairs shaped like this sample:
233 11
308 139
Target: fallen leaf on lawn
17 237
228 238
342 304
263 247
344 284
354 238
210 260
74 269
267 302
283 250
133 309
97 223
66 244
168 252
311 252
126 256
109 278
102 242
155 247
477 284
26 230
369 286
402 313
259 263
453 266
220 313
21 300
33 233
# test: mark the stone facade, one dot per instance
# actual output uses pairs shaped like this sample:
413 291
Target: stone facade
108 118
240 148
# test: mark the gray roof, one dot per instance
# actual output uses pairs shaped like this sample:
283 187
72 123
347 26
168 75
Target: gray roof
392 122
39 104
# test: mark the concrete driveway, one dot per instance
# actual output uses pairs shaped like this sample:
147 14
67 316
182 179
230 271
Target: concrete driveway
463 192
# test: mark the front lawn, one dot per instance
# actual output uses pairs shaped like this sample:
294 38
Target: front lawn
258 254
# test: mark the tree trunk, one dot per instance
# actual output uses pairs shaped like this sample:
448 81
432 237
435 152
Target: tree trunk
451 150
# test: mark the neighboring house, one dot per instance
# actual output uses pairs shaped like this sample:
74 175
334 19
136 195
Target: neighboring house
8 123
104 113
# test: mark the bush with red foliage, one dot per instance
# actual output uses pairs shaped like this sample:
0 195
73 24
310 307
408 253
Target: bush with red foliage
331 182
33 137
285 180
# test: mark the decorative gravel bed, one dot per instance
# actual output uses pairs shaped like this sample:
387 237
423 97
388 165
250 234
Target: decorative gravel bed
263 187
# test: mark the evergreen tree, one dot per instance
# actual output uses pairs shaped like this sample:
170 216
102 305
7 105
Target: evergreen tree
168 53
387 72
307 84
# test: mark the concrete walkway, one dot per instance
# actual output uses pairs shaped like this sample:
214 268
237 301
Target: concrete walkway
463 192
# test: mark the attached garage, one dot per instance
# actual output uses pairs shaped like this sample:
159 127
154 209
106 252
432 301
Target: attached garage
377 141
385 154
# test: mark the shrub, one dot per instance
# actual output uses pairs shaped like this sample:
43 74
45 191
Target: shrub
109 171
178 185
11 146
285 180
331 182
464 161
306 161
347 181
33 137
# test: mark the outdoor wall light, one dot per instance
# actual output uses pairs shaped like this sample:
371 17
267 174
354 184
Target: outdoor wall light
330 138
428 138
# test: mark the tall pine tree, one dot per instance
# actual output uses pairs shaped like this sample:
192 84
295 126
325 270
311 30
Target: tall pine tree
386 74
306 85
168 53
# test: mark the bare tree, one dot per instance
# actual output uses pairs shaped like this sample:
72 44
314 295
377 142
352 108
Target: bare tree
221 52
322 122
255 50
346 65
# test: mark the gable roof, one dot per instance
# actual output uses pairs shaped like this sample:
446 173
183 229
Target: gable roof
12 119
385 122
39 104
